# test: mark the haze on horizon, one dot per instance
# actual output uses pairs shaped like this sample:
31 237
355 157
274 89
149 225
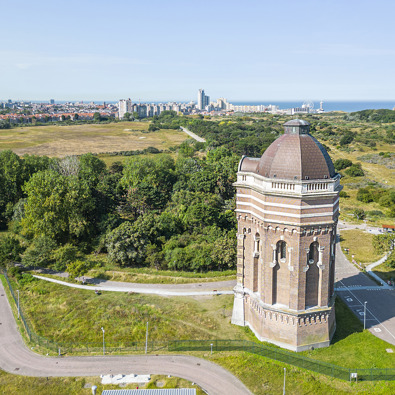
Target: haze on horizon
157 51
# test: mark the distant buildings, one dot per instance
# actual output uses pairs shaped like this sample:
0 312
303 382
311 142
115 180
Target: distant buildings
29 112
203 100
124 107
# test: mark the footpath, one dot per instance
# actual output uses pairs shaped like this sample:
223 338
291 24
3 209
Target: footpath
196 289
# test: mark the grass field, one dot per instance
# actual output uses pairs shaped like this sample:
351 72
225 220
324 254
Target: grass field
13 384
360 245
60 141
385 272
373 172
73 315
58 312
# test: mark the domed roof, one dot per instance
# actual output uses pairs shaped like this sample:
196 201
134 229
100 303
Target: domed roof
295 155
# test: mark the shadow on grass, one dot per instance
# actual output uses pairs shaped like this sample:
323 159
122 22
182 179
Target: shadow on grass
346 322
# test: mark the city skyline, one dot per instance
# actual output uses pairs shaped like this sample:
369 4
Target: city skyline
157 51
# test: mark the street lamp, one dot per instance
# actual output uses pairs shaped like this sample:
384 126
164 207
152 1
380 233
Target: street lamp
211 348
285 370
364 315
19 309
104 344
146 339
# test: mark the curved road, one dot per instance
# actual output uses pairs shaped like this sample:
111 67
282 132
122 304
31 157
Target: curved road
16 358
192 289
355 288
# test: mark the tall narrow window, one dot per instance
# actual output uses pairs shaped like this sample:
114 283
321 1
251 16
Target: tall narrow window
282 249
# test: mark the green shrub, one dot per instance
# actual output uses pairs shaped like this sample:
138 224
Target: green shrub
344 194
341 164
355 171
26 278
364 195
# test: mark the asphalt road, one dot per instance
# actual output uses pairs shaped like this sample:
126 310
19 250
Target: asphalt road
355 288
192 289
16 358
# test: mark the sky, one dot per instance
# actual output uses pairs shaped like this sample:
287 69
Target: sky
159 50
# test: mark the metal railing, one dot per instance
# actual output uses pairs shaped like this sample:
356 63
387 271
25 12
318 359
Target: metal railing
263 350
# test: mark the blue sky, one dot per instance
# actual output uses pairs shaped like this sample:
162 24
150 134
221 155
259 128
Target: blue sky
166 50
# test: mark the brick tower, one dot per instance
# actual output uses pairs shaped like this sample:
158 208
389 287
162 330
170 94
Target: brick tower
287 208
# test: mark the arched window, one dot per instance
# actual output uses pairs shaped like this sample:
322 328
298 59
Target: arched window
282 249
257 242
312 277
313 253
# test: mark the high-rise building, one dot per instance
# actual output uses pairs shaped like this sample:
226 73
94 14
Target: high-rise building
124 106
52 101
203 100
287 207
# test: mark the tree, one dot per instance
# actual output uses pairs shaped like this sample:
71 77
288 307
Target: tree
78 268
10 249
149 182
11 181
127 116
57 207
124 247
135 115
63 256
359 213
96 117
39 253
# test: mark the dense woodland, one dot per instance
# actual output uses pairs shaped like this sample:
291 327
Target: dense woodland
150 212
153 210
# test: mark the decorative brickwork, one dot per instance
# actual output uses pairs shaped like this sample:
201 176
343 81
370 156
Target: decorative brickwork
285 244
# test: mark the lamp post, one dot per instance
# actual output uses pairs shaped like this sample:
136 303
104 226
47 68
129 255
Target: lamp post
211 348
146 339
19 309
104 344
364 315
285 370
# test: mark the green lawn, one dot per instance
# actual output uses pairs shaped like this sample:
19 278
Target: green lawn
13 384
385 272
360 245
66 314
72 315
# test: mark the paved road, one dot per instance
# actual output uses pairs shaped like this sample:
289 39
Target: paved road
16 358
355 288
194 289
193 135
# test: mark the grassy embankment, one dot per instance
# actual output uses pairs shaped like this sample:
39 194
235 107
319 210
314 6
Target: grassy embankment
65 314
60 141
13 384
376 173
360 245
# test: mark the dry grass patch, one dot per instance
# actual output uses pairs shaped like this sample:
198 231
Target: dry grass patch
60 141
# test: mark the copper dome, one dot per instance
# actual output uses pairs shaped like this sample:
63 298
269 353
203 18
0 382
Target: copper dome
295 155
